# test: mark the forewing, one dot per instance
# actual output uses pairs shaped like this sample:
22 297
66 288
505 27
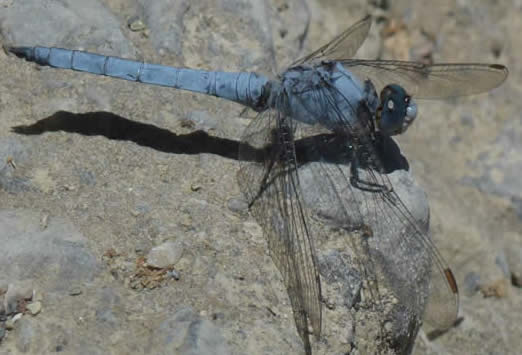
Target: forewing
345 45
394 228
268 178
430 81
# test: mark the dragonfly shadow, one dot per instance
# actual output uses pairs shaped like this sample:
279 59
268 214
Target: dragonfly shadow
112 126
324 147
334 149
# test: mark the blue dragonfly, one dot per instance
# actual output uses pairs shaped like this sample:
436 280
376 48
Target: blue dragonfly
325 111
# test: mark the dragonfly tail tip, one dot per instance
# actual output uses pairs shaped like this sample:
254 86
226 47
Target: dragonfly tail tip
20 52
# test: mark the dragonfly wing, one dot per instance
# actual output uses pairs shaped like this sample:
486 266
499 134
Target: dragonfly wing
345 45
268 178
439 301
394 228
430 81
396 251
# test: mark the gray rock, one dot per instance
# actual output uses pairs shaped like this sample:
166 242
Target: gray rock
87 177
471 283
500 172
106 317
335 268
12 154
392 256
237 205
240 34
166 254
27 336
171 24
34 307
10 323
165 20
108 308
55 256
187 333
72 23
17 293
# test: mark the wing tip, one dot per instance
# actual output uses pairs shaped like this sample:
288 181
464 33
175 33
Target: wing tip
502 68
499 67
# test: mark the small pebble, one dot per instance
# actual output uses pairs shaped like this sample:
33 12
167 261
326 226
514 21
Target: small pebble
174 274
237 205
195 187
34 307
9 324
166 254
135 24
75 291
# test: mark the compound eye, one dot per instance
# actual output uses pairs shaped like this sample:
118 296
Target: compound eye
411 110
397 111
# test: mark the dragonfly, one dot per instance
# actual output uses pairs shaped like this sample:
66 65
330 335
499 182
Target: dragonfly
325 120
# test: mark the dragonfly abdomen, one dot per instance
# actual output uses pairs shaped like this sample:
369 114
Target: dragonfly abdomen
246 88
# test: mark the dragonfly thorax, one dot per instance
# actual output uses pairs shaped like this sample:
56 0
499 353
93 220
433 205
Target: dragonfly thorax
329 95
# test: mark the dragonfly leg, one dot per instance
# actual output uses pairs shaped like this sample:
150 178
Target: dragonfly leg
368 186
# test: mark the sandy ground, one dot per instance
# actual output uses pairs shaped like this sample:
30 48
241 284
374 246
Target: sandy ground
110 169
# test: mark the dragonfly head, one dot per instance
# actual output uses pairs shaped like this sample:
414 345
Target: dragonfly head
396 111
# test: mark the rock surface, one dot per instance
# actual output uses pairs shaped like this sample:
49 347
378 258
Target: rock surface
103 171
